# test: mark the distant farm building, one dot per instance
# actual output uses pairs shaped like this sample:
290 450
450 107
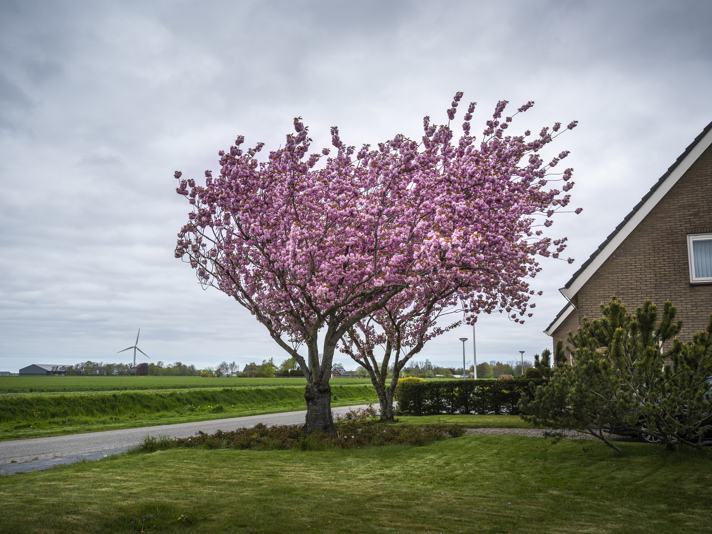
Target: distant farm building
338 371
39 369
5 373
250 370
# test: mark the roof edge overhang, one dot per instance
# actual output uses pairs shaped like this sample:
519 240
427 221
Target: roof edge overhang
639 213
563 315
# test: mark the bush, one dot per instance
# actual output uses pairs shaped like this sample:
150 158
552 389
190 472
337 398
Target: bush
532 372
358 414
622 379
349 435
462 396
402 383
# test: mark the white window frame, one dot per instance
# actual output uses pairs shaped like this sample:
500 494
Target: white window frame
691 238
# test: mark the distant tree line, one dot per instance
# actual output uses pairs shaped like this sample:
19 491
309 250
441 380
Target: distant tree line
289 367
427 370
90 368
496 369
493 369
266 369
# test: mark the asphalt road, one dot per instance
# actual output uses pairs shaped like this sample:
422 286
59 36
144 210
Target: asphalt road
42 453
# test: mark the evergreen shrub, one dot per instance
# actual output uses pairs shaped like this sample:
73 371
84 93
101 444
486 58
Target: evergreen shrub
532 372
402 382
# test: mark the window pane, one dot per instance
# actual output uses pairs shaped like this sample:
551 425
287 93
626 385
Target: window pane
702 252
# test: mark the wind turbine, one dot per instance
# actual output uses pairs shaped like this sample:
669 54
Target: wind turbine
135 348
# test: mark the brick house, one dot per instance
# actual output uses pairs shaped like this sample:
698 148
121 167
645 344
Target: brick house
662 250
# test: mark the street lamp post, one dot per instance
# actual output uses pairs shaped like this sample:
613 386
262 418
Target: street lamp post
522 353
464 374
474 353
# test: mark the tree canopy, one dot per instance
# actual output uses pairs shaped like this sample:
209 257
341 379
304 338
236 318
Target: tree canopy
314 243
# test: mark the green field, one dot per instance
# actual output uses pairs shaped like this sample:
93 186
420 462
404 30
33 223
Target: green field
65 384
468 484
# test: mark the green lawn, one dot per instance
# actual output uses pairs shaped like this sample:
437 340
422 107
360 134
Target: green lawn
469 421
468 484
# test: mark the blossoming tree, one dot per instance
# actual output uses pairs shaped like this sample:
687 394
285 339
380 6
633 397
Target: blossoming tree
314 244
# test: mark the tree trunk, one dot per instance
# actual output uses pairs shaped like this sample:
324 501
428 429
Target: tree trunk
319 416
385 399
389 393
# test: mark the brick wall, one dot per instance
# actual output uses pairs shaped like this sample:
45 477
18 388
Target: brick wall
652 262
570 324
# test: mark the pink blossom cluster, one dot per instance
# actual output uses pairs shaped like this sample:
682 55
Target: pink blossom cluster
310 240
400 330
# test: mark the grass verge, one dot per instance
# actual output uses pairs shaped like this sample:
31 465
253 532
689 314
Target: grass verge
42 416
467 484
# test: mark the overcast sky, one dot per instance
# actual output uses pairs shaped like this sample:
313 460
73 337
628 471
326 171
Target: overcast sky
100 102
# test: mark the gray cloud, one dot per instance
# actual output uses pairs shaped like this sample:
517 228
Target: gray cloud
100 103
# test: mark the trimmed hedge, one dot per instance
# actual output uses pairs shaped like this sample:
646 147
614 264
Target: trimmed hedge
462 396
